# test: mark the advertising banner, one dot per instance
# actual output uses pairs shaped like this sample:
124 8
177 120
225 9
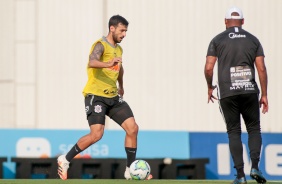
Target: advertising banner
51 143
215 147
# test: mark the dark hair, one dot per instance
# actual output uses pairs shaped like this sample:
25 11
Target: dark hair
116 19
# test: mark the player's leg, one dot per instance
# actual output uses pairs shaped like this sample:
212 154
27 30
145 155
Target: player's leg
251 115
122 114
229 108
130 142
96 133
95 110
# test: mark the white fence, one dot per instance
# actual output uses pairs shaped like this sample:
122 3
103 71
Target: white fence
45 45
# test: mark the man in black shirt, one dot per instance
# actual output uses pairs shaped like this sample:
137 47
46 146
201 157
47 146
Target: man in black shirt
236 52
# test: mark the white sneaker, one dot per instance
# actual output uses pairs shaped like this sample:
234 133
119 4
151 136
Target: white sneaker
63 166
127 174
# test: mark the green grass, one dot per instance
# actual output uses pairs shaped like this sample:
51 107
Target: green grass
119 181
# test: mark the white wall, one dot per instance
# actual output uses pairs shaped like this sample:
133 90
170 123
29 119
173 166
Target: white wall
45 46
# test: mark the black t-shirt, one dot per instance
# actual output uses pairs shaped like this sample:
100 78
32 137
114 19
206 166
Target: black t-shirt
236 51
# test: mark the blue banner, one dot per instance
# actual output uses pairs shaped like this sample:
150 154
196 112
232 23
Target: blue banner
151 144
215 147
51 143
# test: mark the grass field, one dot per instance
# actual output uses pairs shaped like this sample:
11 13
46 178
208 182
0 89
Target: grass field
119 181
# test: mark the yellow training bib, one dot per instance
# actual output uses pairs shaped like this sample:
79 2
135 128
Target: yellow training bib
102 81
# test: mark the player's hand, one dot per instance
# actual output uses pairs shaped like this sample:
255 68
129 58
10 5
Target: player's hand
210 95
121 92
114 62
264 103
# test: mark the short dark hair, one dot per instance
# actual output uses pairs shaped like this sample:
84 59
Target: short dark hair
116 19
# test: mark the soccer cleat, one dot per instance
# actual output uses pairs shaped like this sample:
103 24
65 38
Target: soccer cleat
240 181
63 166
257 175
127 174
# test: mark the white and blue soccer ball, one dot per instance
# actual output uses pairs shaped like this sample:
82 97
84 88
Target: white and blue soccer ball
139 170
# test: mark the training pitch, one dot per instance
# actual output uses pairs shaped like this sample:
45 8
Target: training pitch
119 181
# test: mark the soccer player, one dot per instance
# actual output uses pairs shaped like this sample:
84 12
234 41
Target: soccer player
103 97
237 52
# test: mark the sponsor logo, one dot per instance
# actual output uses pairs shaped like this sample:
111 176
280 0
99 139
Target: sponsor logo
33 147
107 91
233 35
240 74
115 68
86 108
272 159
120 100
232 69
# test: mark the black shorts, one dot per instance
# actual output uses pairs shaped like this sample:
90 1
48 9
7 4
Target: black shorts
97 107
246 105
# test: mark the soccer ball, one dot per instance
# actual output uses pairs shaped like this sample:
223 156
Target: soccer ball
139 170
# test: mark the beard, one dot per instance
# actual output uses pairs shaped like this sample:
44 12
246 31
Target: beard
116 39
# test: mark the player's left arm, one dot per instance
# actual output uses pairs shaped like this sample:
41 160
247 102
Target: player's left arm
120 81
262 72
210 62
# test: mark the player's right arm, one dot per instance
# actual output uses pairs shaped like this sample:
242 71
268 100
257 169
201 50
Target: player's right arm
95 56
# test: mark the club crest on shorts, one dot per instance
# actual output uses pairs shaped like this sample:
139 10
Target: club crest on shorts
97 108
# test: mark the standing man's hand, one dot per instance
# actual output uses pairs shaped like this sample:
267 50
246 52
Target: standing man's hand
264 103
210 62
262 73
210 95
